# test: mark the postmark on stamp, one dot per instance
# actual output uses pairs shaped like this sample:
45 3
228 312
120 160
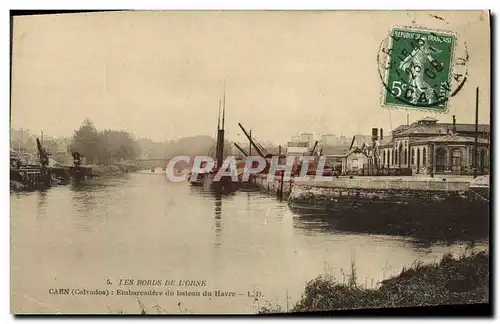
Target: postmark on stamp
421 69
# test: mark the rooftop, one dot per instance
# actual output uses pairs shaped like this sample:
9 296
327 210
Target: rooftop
359 140
386 140
336 150
429 126
451 139
428 118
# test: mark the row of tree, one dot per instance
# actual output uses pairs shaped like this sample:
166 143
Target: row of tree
112 146
103 147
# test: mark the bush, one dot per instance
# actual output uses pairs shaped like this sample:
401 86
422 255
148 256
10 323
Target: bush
451 281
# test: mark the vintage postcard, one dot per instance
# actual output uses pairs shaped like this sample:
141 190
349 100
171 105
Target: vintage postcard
249 162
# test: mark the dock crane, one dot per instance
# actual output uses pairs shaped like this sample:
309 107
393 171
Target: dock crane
314 148
258 148
252 142
242 150
43 158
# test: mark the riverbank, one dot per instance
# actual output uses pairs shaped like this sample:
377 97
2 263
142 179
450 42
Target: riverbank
426 209
462 280
101 170
370 188
62 175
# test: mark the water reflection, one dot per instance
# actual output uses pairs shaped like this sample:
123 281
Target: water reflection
42 203
143 226
100 183
84 200
438 222
217 218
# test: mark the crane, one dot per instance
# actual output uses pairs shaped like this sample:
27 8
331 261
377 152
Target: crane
242 150
257 148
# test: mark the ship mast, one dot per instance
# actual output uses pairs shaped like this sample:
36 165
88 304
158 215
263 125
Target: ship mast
220 132
218 119
224 105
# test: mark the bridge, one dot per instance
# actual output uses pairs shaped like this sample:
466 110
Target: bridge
149 163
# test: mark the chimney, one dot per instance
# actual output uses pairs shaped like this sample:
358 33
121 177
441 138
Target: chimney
454 124
381 134
374 134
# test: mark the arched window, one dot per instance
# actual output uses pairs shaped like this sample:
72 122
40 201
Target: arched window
412 156
405 157
396 156
424 157
383 160
418 158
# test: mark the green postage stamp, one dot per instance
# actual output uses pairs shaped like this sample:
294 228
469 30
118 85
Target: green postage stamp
419 69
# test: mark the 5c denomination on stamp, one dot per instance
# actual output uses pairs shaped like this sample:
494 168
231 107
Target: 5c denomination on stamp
420 68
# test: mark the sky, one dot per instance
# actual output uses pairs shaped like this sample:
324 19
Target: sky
161 74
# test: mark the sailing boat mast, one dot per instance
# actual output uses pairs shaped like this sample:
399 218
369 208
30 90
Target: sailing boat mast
220 132
218 119
224 105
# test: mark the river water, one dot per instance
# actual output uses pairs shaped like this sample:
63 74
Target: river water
141 226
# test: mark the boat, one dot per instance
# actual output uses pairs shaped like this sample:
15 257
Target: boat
207 179
31 176
200 180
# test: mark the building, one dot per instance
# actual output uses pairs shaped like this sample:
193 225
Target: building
334 155
328 140
356 160
351 158
300 145
350 155
307 137
429 147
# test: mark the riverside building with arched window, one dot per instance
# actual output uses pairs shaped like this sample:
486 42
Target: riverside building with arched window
429 147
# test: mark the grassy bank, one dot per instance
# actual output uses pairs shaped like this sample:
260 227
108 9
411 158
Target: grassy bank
460 280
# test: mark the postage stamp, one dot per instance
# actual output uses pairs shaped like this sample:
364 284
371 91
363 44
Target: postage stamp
185 160
420 70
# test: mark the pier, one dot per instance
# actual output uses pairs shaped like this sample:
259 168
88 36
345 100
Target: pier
365 188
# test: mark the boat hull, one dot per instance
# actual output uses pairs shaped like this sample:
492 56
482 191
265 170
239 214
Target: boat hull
224 185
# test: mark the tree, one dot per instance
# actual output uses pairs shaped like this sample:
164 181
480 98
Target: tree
104 147
86 141
117 146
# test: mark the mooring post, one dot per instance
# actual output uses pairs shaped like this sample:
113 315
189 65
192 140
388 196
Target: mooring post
281 183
